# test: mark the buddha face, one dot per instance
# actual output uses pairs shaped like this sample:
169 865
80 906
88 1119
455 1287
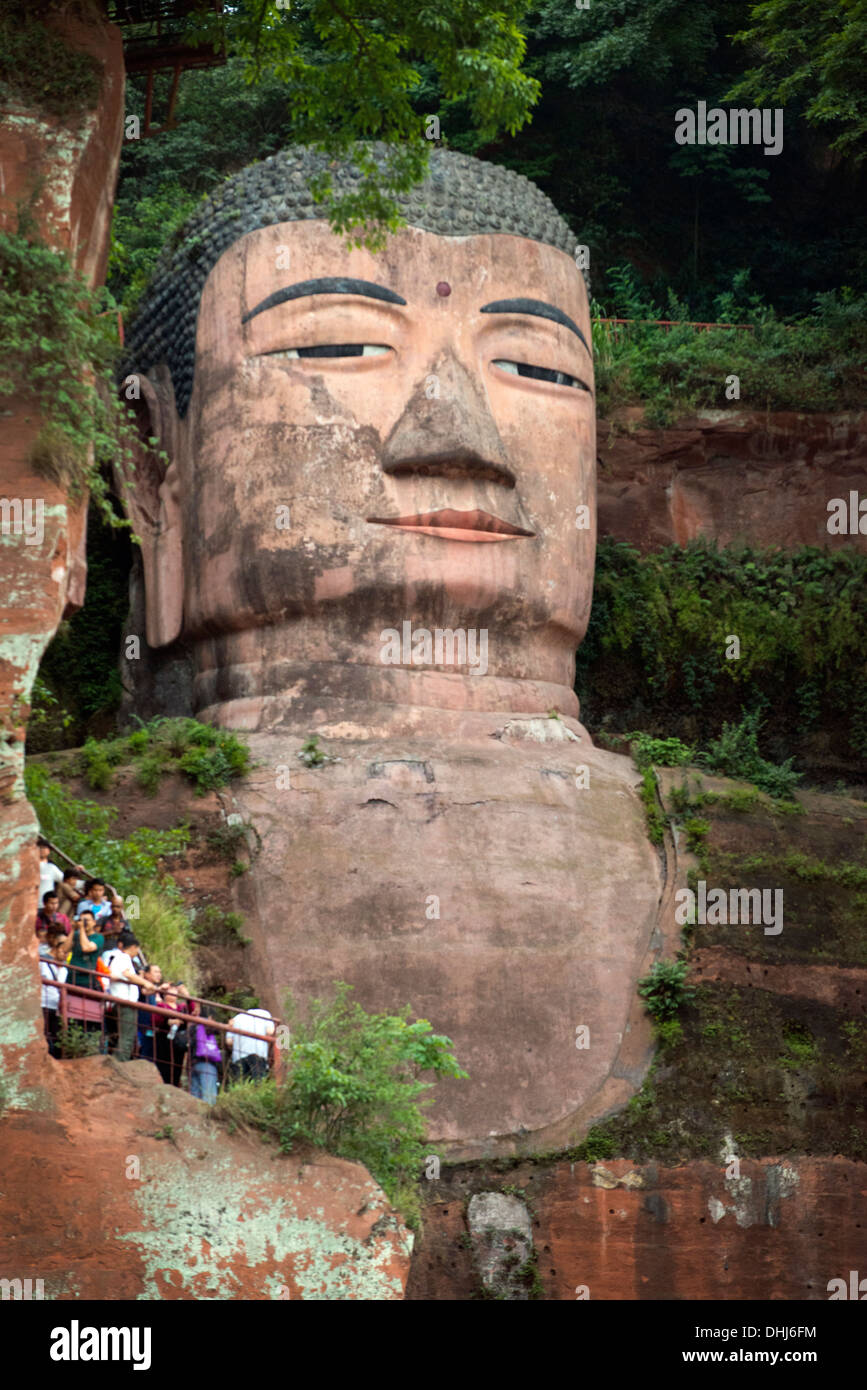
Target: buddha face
376 438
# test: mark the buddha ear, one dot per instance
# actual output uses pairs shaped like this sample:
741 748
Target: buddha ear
150 489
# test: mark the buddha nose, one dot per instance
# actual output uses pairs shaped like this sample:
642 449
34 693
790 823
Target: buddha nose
447 430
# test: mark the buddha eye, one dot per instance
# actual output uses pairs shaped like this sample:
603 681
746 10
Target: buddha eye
541 374
334 350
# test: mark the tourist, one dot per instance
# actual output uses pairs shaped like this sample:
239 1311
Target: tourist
71 891
95 900
49 874
117 922
113 942
115 937
125 983
152 995
250 1055
53 971
205 1058
87 943
170 1036
50 917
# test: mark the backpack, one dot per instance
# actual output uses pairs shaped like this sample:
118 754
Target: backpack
103 972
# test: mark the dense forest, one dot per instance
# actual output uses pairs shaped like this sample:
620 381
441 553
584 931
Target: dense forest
721 227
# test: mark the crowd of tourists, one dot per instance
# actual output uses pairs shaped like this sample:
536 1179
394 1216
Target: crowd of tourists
85 940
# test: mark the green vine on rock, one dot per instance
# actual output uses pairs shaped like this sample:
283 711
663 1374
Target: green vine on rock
58 349
41 68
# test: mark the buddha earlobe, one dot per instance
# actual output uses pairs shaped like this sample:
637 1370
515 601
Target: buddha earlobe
150 491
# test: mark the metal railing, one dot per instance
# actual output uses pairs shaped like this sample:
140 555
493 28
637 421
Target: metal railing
175 1064
99 976
675 323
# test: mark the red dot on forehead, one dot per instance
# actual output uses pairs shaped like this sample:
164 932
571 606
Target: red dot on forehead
444 289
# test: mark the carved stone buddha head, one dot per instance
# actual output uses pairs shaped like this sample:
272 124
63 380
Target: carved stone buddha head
360 440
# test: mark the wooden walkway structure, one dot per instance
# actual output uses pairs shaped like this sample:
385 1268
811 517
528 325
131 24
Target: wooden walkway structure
156 38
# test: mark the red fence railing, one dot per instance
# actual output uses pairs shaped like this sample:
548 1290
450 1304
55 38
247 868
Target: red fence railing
676 323
94 1011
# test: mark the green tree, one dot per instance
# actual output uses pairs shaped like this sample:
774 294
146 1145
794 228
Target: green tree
813 55
354 1087
350 72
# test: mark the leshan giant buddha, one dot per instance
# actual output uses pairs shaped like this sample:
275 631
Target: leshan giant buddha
374 528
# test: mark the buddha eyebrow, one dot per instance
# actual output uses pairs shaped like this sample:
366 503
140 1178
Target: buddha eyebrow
328 284
537 307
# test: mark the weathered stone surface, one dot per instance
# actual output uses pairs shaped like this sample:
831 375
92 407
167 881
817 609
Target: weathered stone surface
68 167
71 169
454 866
781 1230
730 476
124 1188
502 1236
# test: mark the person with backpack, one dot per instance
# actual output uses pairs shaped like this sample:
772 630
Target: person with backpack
125 983
250 1054
205 1059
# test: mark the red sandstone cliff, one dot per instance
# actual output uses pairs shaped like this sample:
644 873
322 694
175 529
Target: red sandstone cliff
730 476
116 1186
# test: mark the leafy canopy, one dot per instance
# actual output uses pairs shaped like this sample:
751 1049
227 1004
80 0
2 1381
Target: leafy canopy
351 72
813 54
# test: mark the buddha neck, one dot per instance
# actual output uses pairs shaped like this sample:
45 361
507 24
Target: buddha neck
257 679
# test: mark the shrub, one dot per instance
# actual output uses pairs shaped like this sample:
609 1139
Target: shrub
664 990
149 774
742 799
654 654
164 930
207 756
82 829
229 840
38 67
653 815
669 1032
664 752
353 1087
76 1041
58 348
697 832
596 1145
815 363
311 754
736 754
213 927
97 761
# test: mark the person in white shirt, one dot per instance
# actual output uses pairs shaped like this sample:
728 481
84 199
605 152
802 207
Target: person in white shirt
250 1055
49 874
124 986
52 968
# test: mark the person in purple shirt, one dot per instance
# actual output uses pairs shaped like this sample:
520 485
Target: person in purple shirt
205 1059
